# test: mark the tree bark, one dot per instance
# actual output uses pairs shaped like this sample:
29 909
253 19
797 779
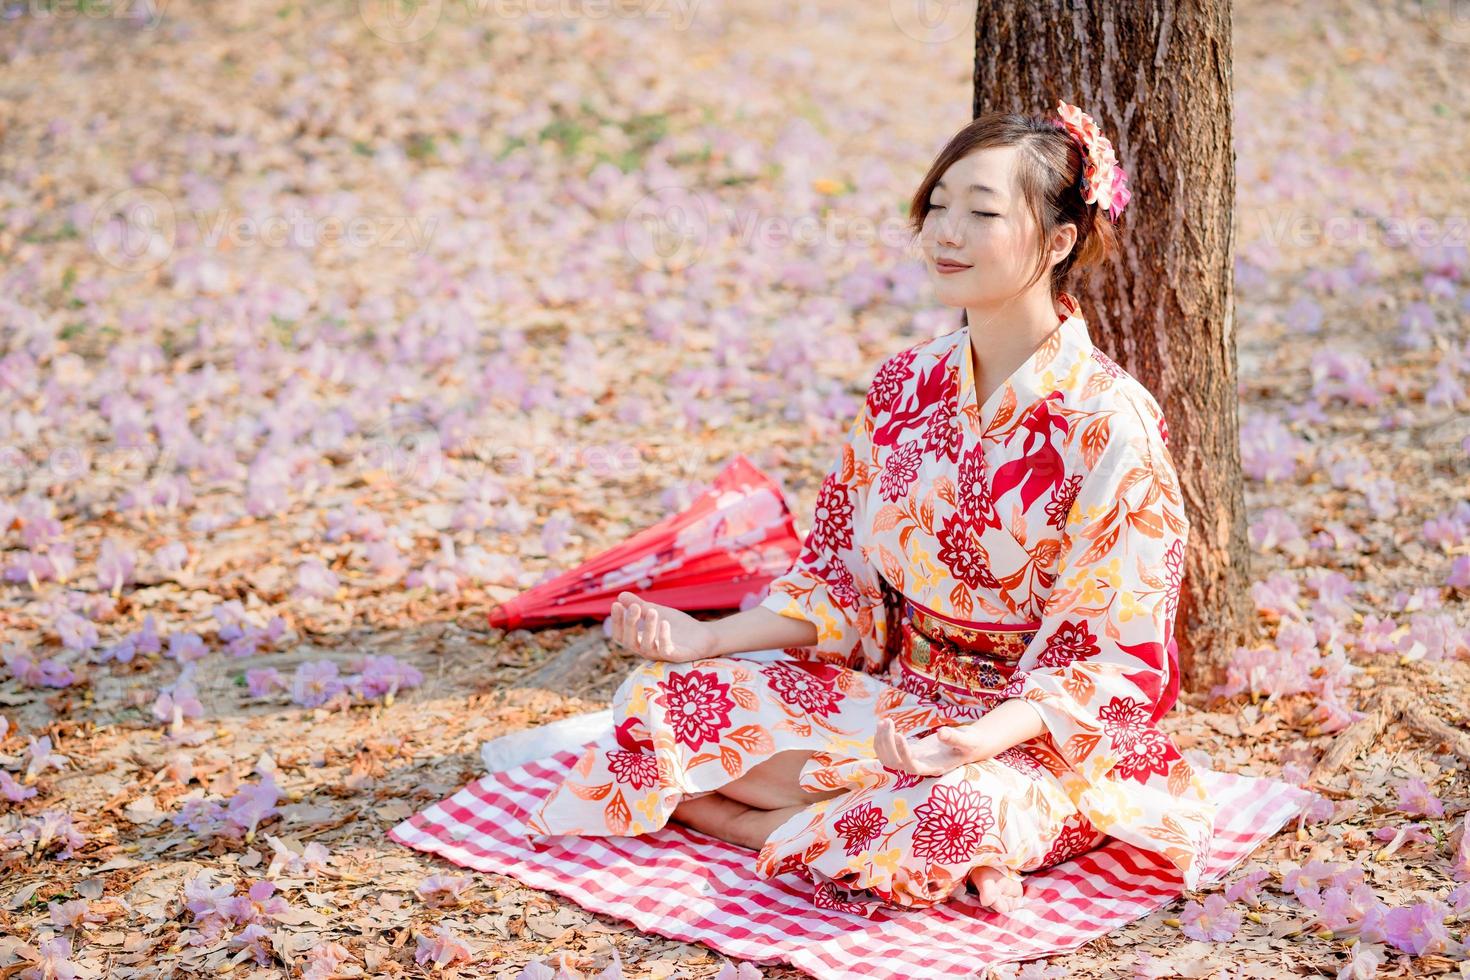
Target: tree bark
1156 76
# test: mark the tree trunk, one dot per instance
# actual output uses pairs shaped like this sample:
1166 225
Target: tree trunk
1156 76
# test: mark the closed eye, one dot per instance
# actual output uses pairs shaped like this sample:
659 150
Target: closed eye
985 214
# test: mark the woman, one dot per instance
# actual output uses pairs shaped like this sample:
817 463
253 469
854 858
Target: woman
978 632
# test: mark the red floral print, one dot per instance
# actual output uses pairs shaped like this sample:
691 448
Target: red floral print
1077 837
962 555
1152 754
1039 467
943 437
888 384
975 505
1070 641
697 705
1020 760
1062 499
638 769
911 409
802 685
632 735
859 827
832 520
1108 364
900 471
840 585
952 823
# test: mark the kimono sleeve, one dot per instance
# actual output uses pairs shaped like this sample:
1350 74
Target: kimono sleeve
1102 669
832 584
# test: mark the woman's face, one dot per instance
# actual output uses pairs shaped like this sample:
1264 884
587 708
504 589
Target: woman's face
978 220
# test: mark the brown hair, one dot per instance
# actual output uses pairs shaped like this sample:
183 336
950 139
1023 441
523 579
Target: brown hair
1049 171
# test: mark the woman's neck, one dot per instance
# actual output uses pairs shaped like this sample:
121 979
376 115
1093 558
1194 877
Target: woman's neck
1001 341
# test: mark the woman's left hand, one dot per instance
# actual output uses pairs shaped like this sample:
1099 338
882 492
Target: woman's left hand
934 754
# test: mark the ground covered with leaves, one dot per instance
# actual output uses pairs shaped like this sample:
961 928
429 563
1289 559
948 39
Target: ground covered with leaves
325 326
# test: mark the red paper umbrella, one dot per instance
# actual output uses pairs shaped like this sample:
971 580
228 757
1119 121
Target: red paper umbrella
735 538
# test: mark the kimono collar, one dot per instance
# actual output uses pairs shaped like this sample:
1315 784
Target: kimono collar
1045 371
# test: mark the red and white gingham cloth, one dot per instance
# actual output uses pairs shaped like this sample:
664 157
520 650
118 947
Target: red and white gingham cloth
686 885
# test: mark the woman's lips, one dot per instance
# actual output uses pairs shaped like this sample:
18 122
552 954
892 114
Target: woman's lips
947 268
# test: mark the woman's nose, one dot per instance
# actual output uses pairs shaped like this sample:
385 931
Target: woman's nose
946 233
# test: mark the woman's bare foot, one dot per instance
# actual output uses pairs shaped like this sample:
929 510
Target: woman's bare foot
999 889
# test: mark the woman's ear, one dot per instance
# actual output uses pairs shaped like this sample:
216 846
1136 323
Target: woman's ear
1062 241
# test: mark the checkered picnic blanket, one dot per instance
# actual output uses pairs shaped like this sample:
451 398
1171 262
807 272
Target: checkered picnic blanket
686 885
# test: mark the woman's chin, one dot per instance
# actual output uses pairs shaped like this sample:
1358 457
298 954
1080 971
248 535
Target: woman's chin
950 294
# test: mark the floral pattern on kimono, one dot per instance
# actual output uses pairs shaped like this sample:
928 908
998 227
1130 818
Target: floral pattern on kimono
893 840
1055 503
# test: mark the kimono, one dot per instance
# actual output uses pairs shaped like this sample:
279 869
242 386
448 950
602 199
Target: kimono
960 555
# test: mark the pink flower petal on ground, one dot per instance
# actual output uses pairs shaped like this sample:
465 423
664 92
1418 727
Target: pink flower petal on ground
1364 959
1246 888
13 791
1416 799
441 947
1419 928
1459 575
1211 921
323 960
264 681
315 683
55 962
1460 863
439 891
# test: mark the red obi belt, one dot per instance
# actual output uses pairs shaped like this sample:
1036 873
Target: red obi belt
978 658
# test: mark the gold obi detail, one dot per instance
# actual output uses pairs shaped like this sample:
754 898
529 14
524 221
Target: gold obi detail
975 657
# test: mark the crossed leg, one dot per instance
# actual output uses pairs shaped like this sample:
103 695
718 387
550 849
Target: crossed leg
732 821
747 809
773 784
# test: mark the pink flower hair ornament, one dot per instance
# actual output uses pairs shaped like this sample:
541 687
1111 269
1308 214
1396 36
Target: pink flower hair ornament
1103 182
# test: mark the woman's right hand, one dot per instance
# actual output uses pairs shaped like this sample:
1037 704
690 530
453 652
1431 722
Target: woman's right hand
658 632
